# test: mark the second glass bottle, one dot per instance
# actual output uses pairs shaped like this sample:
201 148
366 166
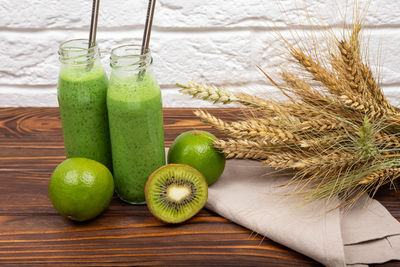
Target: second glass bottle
136 122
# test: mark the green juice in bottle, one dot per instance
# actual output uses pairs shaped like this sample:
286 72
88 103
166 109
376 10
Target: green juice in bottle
136 122
82 92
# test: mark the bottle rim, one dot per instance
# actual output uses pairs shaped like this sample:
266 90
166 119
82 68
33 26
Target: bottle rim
129 57
77 52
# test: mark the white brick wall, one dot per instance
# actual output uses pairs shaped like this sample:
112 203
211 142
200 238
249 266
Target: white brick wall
217 41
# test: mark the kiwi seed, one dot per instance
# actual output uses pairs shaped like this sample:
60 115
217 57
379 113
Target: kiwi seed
176 192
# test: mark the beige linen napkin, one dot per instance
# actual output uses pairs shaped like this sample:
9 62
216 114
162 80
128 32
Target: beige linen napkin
247 194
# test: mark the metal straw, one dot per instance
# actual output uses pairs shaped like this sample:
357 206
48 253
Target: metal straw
93 23
93 28
147 33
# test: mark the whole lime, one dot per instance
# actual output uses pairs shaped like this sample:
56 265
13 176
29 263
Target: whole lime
80 188
195 149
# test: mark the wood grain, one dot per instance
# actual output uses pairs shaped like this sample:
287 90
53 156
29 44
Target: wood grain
31 231
135 239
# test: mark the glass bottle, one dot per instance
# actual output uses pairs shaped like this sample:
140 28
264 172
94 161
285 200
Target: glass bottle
136 122
82 94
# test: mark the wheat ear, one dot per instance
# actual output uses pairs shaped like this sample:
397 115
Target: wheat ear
375 89
319 72
212 120
381 175
300 88
255 129
207 92
241 149
213 94
294 161
350 59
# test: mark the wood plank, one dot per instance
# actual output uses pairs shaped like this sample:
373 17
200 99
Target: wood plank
31 231
139 240
41 123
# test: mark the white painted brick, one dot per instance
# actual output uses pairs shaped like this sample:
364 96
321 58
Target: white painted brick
393 95
222 58
29 97
384 54
47 14
216 41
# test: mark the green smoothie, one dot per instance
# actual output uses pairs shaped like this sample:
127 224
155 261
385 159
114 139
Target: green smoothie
82 93
136 129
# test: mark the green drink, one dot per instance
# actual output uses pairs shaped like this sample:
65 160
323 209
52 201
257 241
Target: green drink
136 123
82 92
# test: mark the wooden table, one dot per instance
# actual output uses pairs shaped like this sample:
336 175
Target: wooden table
31 231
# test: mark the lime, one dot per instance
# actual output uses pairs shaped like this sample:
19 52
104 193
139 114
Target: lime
80 188
195 149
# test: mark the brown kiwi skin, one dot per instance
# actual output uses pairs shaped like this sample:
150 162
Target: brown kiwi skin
147 184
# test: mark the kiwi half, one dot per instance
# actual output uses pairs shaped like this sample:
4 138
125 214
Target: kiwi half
176 192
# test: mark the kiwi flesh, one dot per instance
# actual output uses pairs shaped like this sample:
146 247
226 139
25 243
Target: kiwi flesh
176 192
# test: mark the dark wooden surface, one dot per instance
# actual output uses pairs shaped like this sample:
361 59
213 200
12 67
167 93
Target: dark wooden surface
31 231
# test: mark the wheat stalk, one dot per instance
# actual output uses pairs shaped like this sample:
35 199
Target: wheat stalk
302 89
253 128
212 120
350 55
250 129
375 89
284 160
331 159
326 141
348 68
359 75
321 125
388 140
242 149
251 101
381 175
207 92
319 73
213 94
366 106
340 136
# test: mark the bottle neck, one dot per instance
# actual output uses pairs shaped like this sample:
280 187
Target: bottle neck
76 52
127 59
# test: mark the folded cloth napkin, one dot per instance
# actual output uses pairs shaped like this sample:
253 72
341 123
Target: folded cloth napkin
248 194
